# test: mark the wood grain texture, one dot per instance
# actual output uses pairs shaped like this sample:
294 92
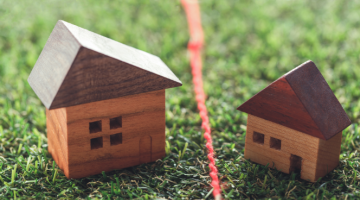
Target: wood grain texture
143 123
96 77
77 66
145 149
53 64
121 52
301 100
317 97
278 103
57 137
143 115
328 155
315 153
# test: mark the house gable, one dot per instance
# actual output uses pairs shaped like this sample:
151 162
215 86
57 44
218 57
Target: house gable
96 77
119 51
53 64
71 49
278 103
301 100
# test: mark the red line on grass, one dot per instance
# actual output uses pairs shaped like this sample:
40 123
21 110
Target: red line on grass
192 11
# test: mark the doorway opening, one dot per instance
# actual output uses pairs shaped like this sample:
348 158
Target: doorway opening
295 164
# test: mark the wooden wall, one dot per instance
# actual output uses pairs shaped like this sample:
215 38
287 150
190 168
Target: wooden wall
143 128
292 142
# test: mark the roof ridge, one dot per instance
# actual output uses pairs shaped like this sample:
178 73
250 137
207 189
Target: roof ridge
90 40
51 71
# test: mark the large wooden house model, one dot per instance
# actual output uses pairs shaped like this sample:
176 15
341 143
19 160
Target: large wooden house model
296 124
105 101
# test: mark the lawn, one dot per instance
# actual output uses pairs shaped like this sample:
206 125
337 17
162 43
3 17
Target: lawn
249 44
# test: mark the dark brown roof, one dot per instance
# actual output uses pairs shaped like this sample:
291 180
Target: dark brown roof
77 66
301 100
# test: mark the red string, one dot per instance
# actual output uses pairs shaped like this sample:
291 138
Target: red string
192 11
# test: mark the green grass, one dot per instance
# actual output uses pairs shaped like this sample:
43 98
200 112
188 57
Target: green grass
249 44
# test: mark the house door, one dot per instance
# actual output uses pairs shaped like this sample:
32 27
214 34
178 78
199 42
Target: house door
295 164
145 149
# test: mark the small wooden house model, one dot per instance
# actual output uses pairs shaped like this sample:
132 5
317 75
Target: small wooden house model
296 124
105 101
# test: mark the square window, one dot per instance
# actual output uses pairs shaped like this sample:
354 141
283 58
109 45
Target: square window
258 138
116 139
275 143
95 127
96 143
116 122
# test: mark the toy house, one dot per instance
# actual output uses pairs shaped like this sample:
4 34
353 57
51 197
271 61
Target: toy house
296 124
105 101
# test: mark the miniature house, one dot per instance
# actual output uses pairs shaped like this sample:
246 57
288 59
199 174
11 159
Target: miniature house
296 124
105 101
